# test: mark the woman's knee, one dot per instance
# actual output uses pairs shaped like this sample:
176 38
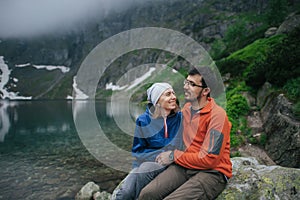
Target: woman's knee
149 167
124 194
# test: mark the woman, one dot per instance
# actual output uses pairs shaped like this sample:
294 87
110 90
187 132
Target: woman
158 129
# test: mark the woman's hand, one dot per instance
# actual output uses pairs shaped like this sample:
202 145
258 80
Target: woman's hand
164 158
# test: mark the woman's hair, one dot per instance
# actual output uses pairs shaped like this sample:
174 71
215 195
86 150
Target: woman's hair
157 110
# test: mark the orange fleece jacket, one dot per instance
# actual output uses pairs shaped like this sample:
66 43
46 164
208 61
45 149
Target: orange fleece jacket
206 136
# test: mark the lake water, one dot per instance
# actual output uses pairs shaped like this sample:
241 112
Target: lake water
42 155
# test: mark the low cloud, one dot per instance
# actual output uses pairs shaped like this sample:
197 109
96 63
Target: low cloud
23 18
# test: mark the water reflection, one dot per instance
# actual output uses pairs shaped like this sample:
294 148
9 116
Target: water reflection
4 121
6 117
32 117
124 114
41 154
103 133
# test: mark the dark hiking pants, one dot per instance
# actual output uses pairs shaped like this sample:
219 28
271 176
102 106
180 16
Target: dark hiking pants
177 182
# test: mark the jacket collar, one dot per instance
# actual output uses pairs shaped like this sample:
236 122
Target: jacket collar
206 109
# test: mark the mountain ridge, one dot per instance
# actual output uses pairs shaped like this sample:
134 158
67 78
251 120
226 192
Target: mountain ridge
197 19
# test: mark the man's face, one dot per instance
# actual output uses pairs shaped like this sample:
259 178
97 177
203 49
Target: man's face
192 89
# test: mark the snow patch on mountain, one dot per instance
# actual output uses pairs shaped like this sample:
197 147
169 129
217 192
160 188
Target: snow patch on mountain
78 94
47 67
4 78
137 81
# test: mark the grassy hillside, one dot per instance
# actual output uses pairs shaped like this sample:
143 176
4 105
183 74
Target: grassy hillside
274 60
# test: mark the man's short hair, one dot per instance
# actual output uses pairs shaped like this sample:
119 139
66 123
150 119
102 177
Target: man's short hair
195 71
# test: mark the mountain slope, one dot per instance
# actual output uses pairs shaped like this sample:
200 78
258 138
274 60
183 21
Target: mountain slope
204 21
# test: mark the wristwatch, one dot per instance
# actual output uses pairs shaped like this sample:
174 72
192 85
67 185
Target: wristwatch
171 156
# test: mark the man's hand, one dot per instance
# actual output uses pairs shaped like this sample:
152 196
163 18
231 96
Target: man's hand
164 158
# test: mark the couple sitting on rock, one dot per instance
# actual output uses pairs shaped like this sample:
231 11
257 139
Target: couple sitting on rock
179 154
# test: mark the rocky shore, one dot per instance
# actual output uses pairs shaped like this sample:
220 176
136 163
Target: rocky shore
251 180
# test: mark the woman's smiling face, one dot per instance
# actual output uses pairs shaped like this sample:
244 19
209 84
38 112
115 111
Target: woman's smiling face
168 99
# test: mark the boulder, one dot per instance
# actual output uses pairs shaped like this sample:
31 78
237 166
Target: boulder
87 191
251 180
254 181
263 93
282 130
102 196
270 32
290 23
276 120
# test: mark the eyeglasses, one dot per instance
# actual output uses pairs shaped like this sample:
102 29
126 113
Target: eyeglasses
190 83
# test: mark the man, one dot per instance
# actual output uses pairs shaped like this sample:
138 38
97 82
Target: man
203 169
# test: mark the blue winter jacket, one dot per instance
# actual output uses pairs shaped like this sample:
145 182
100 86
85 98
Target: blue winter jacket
149 137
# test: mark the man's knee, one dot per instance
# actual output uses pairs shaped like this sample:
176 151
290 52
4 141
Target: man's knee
147 194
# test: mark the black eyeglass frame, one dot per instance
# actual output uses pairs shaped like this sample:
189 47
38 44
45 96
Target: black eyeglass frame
192 83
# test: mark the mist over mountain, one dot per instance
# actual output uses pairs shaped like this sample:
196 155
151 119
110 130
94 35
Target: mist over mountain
30 18
62 33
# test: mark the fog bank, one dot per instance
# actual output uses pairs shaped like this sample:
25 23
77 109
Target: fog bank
23 18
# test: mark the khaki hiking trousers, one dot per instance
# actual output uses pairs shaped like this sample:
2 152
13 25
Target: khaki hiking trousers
180 183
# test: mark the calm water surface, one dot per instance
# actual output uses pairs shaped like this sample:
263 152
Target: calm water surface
42 156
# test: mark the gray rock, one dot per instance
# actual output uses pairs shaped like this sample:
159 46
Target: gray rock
254 181
249 150
263 93
290 23
282 130
254 122
275 120
271 31
251 180
101 195
251 100
87 191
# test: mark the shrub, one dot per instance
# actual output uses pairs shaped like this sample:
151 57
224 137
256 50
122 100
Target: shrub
218 48
292 88
233 66
236 35
263 139
282 62
256 76
237 108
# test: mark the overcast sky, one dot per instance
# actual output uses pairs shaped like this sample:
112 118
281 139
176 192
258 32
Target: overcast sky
33 17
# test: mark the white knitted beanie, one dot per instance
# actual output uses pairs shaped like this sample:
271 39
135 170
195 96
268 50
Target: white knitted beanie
156 90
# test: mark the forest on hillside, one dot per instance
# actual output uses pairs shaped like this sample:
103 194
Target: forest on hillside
252 59
233 32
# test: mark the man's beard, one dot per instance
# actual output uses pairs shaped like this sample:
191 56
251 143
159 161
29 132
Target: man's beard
194 99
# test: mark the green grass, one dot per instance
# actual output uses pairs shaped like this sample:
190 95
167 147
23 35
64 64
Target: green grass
257 49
